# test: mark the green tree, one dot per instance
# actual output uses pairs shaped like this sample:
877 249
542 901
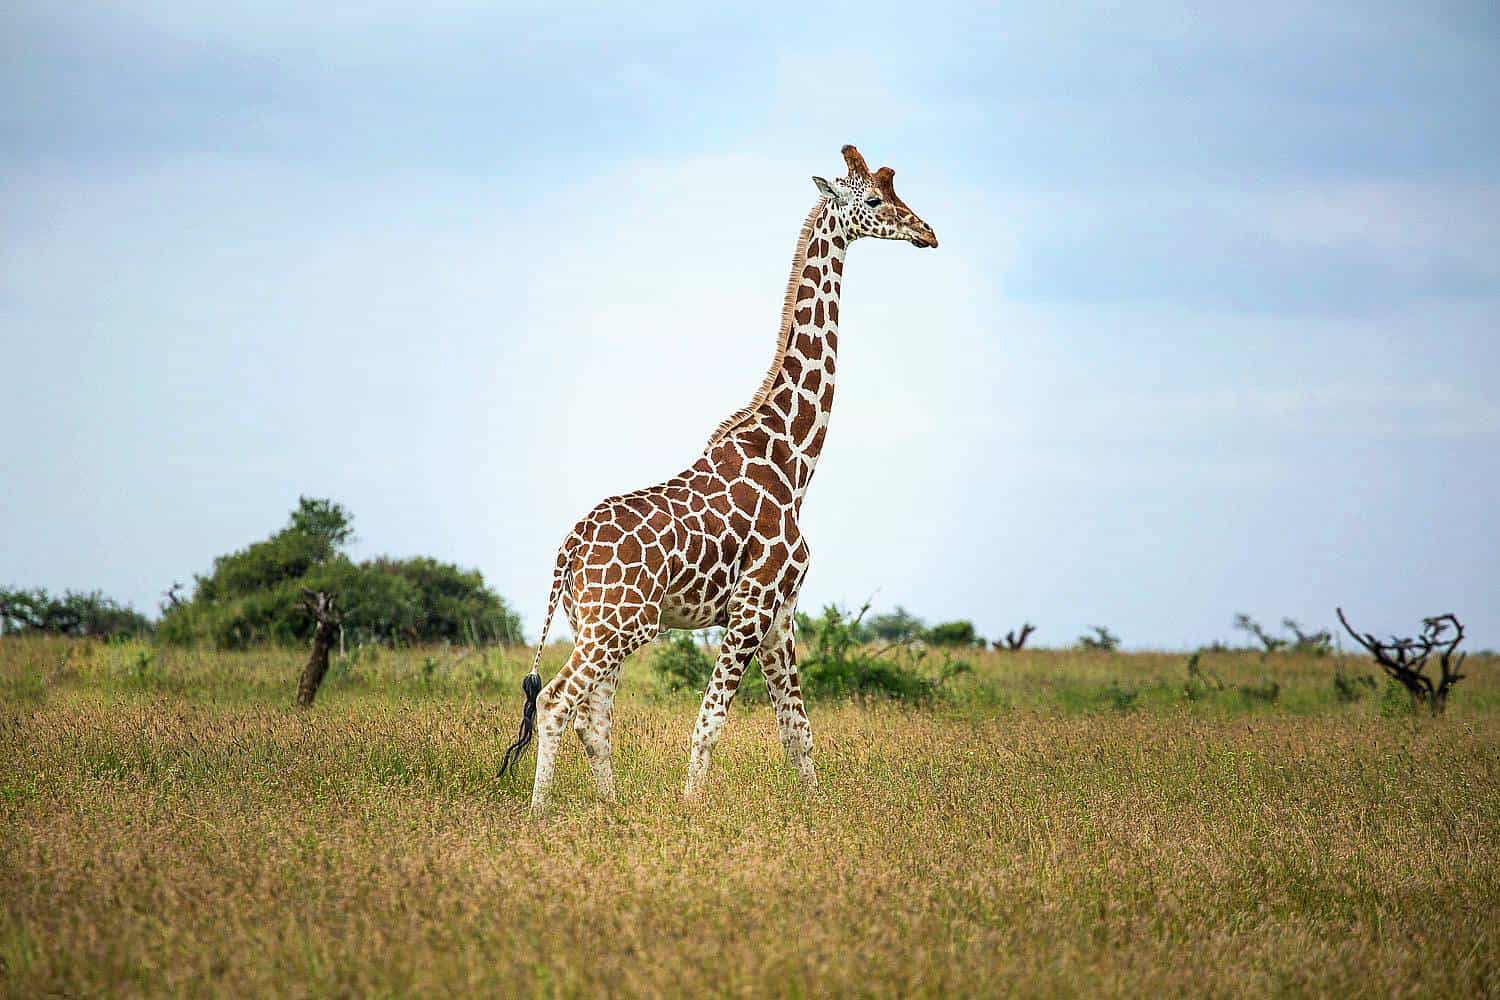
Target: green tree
328 523
315 534
254 595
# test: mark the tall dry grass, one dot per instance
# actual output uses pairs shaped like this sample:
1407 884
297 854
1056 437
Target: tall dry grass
174 826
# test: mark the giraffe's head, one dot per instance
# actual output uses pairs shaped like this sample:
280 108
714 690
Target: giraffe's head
868 205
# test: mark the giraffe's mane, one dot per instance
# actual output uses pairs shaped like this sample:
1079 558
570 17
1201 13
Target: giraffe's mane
799 261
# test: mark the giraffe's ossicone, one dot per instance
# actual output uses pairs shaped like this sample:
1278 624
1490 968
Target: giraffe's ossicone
719 543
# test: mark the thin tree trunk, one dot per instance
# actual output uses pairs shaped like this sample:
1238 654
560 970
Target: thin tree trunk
322 607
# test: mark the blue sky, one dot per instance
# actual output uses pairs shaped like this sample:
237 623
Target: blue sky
1213 326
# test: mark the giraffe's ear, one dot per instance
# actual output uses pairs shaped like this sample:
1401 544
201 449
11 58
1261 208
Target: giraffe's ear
827 190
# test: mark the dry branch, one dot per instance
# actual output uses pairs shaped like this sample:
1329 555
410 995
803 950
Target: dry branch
1405 659
1013 640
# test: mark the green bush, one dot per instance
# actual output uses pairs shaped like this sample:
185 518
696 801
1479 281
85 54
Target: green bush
1204 684
134 665
681 662
1267 691
838 665
864 675
1120 697
1396 702
255 595
955 633
1351 688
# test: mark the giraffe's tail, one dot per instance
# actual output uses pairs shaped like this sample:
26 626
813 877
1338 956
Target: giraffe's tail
531 684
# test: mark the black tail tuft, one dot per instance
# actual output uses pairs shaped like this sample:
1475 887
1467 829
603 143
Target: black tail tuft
531 686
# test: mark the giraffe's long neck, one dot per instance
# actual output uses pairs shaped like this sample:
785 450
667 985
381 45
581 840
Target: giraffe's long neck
789 415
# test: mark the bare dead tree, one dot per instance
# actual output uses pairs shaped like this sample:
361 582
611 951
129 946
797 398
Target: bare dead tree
1013 640
1249 625
325 611
1318 642
171 595
1405 659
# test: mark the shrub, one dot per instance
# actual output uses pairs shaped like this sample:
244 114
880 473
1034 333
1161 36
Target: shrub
134 666
1351 688
1395 701
1121 698
684 661
446 603
1102 639
1267 691
955 633
681 662
838 665
864 675
1203 683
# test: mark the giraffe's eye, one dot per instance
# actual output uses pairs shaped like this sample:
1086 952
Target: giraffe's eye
873 202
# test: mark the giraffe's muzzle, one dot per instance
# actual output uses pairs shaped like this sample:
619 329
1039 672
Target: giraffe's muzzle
921 234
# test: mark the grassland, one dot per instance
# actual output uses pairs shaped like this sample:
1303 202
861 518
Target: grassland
1058 823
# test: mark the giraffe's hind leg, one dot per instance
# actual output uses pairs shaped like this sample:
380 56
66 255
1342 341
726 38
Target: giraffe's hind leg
778 661
593 723
555 705
614 603
583 692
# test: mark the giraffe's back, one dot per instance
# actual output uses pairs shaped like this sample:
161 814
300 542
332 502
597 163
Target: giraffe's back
669 554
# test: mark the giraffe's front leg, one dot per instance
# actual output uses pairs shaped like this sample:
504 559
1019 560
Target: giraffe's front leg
755 611
778 661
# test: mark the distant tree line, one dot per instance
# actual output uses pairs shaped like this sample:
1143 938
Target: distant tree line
90 615
901 625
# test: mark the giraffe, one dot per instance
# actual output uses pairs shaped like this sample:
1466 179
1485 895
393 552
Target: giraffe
719 543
